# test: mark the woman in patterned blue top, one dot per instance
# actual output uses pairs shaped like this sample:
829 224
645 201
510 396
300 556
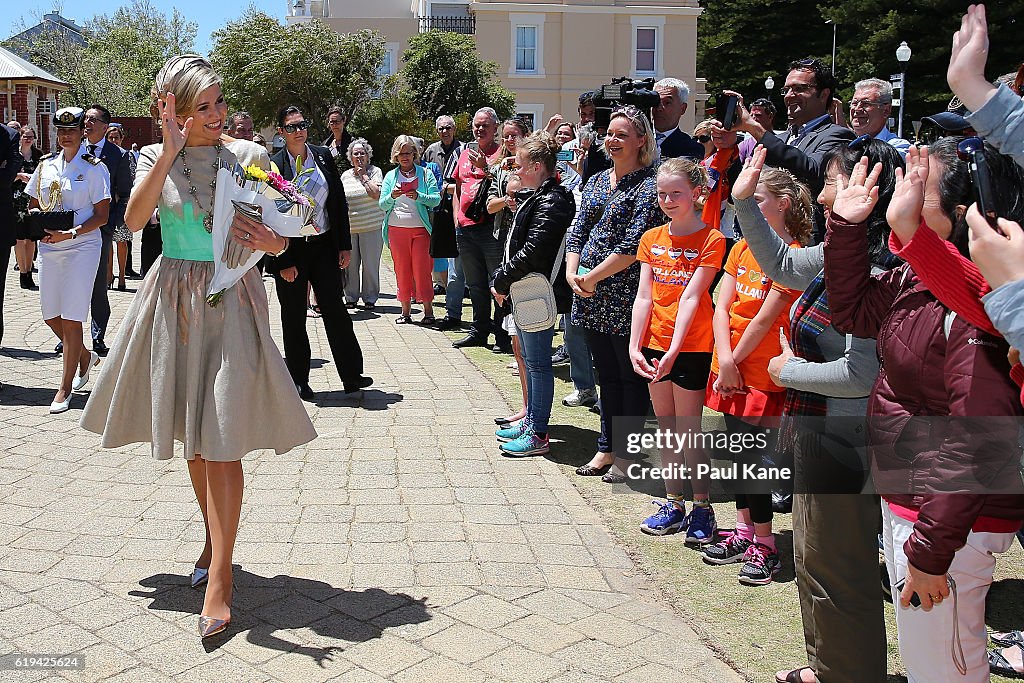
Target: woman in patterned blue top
619 205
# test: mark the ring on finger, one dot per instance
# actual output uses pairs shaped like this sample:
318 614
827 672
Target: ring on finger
246 237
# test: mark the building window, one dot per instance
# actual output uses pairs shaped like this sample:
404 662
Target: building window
530 113
389 67
646 56
526 49
527 46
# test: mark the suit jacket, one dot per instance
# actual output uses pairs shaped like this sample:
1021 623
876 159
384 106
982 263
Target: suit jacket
10 166
336 210
119 164
679 144
806 159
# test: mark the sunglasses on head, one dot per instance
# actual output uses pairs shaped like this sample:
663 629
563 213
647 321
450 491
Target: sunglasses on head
293 127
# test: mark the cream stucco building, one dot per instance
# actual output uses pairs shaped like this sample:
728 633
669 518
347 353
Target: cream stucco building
547 51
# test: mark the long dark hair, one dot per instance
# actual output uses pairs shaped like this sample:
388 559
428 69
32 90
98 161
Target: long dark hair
956 188
843 159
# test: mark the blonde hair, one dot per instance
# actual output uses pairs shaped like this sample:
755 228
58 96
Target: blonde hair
780 183
694 172
400 142
540 148
704 125
642 127
186 76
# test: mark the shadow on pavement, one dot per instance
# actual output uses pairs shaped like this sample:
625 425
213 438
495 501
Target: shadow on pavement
262 606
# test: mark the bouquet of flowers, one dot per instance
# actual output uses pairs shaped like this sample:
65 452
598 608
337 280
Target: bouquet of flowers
262 196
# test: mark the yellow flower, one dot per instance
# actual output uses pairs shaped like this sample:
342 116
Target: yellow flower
256 173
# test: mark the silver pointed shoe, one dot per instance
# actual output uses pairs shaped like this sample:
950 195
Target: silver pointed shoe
199 576
208 626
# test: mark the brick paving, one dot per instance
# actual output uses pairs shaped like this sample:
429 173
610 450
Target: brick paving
398 546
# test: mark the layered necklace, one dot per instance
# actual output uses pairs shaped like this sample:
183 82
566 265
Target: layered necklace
207 214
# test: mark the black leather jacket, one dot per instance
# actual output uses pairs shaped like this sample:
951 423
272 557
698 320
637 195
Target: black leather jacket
537 233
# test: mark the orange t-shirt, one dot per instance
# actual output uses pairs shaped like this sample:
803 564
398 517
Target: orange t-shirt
674 259
752 288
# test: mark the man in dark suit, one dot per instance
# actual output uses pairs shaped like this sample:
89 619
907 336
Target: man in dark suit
673 142
10 165
316 260
118 162
811 134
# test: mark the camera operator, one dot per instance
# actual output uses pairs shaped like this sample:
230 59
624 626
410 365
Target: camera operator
608 99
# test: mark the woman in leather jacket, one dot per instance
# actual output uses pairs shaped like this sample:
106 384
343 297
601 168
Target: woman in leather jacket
535 245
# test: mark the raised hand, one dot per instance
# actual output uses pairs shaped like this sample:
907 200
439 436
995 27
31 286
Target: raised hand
904 212
748 178
173 137
856 197
776 364
966 72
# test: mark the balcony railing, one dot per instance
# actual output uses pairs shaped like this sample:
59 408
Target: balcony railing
466 24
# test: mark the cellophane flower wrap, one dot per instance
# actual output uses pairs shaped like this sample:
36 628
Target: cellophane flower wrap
281 205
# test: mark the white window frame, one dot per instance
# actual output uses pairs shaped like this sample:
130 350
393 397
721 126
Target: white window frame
535 21
392 51
658 25
537 110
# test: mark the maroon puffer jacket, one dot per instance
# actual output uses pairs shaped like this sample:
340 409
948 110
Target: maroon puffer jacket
941 413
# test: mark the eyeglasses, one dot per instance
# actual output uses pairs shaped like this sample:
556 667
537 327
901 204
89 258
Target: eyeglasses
703 138
335 122
293 127
865 104
799 89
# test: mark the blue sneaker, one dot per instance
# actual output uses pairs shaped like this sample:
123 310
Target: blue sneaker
669 519
701 526
527 444
512 432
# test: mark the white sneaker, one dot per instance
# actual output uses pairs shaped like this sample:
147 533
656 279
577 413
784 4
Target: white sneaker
580 398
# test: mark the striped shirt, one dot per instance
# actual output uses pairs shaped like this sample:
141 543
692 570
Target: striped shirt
364 213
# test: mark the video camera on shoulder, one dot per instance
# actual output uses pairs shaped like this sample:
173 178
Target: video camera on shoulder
622 91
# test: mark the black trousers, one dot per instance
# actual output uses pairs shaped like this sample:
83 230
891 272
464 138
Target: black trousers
625 398
100 303
317 263
152 246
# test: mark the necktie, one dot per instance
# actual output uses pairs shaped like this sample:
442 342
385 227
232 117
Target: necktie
92 149
660 137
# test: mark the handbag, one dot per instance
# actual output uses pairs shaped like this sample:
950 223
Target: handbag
442 235
38 222
477 209
533 298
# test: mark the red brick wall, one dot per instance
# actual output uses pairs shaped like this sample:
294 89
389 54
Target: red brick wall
141 130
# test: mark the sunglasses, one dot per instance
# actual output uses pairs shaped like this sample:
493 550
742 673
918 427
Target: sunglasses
859 143
444 128
293 127
703 138
799 89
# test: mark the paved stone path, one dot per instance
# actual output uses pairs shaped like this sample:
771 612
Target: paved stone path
397 546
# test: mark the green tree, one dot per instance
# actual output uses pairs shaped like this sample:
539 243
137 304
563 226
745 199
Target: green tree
117 66
386 117
445 75
266 65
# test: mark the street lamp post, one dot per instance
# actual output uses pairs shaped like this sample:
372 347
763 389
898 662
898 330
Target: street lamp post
902 56
769 84
834 26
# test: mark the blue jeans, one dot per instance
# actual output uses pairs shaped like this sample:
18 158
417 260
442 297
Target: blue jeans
481 254
455 290
581 367
540 378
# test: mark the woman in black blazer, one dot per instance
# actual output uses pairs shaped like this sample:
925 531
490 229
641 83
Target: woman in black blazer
316 260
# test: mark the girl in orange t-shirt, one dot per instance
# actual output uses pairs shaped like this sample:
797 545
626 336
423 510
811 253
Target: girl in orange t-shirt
751 314
671 339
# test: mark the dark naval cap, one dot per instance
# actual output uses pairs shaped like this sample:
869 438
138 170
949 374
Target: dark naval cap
69 117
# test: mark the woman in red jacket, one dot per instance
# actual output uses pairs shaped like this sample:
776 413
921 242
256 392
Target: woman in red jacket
943 430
